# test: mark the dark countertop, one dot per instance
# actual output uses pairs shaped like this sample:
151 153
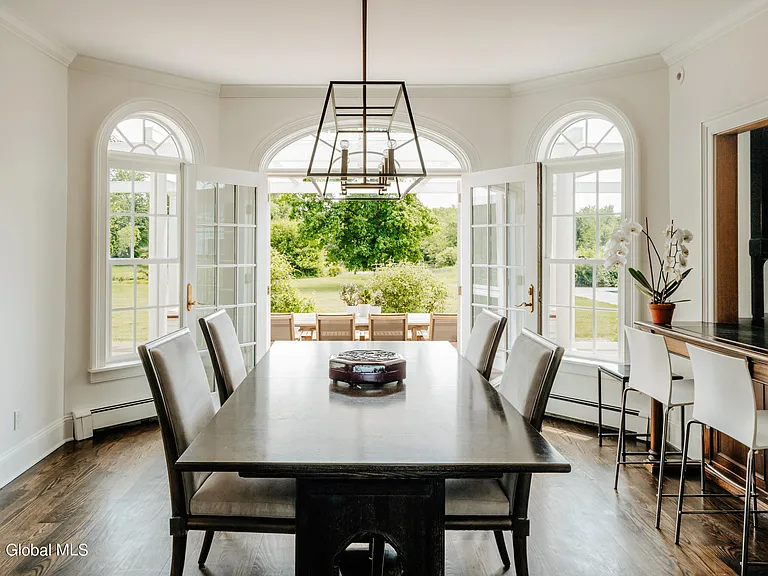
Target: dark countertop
743 335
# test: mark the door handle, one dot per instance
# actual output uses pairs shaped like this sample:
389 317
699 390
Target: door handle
528 304
190 301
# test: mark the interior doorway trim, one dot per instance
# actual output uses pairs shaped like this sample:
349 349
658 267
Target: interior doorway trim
739 120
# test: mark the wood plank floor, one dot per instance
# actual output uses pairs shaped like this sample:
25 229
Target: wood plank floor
111 493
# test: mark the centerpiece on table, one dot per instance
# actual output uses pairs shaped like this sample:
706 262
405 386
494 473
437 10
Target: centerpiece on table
668 268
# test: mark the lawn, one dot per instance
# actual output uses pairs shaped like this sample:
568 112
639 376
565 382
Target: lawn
607 322
122 297
325 290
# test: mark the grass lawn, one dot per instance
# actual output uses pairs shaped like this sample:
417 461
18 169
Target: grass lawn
325 290
122 297
607 322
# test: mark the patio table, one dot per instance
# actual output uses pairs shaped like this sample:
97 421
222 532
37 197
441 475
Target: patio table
416 321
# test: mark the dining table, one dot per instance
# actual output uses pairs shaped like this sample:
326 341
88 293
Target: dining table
370 460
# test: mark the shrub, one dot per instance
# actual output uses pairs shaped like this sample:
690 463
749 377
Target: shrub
350 294
409 288
285 296
333 270
447 257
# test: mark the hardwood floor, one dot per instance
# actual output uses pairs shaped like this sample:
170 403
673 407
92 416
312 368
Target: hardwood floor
112 494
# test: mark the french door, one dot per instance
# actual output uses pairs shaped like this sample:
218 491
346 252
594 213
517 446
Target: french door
226 263
500 250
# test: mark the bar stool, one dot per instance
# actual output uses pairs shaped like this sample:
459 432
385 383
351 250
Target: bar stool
618 372
652 376
724 399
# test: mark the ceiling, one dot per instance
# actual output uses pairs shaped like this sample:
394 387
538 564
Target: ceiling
420 41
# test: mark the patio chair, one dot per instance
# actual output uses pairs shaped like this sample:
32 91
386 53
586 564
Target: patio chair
336 327
282 327
388 326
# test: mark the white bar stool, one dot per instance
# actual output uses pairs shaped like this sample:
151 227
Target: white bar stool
652 375
725 400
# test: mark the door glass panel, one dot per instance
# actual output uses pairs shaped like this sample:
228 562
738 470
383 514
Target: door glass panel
226 204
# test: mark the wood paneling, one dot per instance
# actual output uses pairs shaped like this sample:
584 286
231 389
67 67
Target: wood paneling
726 225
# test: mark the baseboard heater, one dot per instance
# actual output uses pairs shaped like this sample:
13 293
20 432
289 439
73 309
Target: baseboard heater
124 413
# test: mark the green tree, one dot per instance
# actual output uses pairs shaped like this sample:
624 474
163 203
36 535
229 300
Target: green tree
362 234
285 297
303 252
441 248
586 239
406 287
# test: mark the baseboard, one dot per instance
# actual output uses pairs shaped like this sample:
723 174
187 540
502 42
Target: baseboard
126 413
21 458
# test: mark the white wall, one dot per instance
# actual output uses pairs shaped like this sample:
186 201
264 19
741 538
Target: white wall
719 78
95 90
33 165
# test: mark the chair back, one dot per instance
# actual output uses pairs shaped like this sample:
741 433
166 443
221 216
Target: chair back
723 396
183 402
282 327
336 327
443 327
529 375
224 348
651 371
388 326
484 341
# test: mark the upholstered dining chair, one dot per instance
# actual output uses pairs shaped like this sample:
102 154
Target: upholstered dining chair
210 502
484 341
224 348
502 504
443 327
282 327
388 326
336 327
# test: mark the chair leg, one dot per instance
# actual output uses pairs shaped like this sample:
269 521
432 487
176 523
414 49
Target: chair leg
179 553
520 551
681 492
600 408
206 547
755 516
377 556
747 503
622 422
502 546
662 460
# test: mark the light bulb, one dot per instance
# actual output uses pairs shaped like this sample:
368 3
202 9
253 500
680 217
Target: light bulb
344 144
391 144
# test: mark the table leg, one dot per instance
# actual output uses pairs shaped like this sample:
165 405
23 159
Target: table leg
331 514
657 427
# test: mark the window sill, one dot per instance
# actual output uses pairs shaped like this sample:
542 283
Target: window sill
113 372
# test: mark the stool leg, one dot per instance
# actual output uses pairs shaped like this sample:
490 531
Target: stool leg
600 408
747 503
662 459
624 440
681 492
703 467
754 494
621 437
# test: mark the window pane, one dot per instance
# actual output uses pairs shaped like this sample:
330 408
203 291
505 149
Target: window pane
585 190
479 205
249 356
122 287
142 285
612 142
479 245
246 285
206 286
122 333
206 245
562 195
496 293
597 128
206 203
496 199
608 225
583 331
516 203
227 245
143 186
607 331
246 324
142 326
582 281
226 203
562 284
558 326
246 205
516 288
120 237
141 237
246 251
516 248
585 237
562 148
163 236
496 248
562 237
610 191
162 285
480 286
607 290
227 278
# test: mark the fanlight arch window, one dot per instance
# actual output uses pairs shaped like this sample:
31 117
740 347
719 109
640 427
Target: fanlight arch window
142 268
585 203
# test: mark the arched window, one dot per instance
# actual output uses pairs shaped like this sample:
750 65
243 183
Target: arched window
585 203
140 294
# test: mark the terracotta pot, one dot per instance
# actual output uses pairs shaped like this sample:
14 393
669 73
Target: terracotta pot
662 313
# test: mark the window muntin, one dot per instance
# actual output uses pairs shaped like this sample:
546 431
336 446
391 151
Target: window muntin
584 207
142 135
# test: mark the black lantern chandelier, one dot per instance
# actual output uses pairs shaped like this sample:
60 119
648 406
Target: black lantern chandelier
366 147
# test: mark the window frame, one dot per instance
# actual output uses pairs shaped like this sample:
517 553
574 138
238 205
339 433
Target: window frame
103 367
625 161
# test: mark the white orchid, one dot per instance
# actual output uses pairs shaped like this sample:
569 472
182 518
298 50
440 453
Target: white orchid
633 228
677 236
684 250
683 261
687 236
668 231
620 237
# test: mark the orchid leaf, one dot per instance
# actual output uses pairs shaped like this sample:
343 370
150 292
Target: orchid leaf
640 279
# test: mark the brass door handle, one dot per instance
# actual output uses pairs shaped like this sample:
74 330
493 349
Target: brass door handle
190 301
528 304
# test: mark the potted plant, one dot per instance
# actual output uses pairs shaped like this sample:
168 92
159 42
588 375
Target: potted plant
376 300
364 305
350 295
668 273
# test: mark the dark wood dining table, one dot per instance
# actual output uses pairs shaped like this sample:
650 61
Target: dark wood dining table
369 462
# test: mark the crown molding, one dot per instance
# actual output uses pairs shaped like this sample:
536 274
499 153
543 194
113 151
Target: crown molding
625 68
134 73
35 38
715 30
319 91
